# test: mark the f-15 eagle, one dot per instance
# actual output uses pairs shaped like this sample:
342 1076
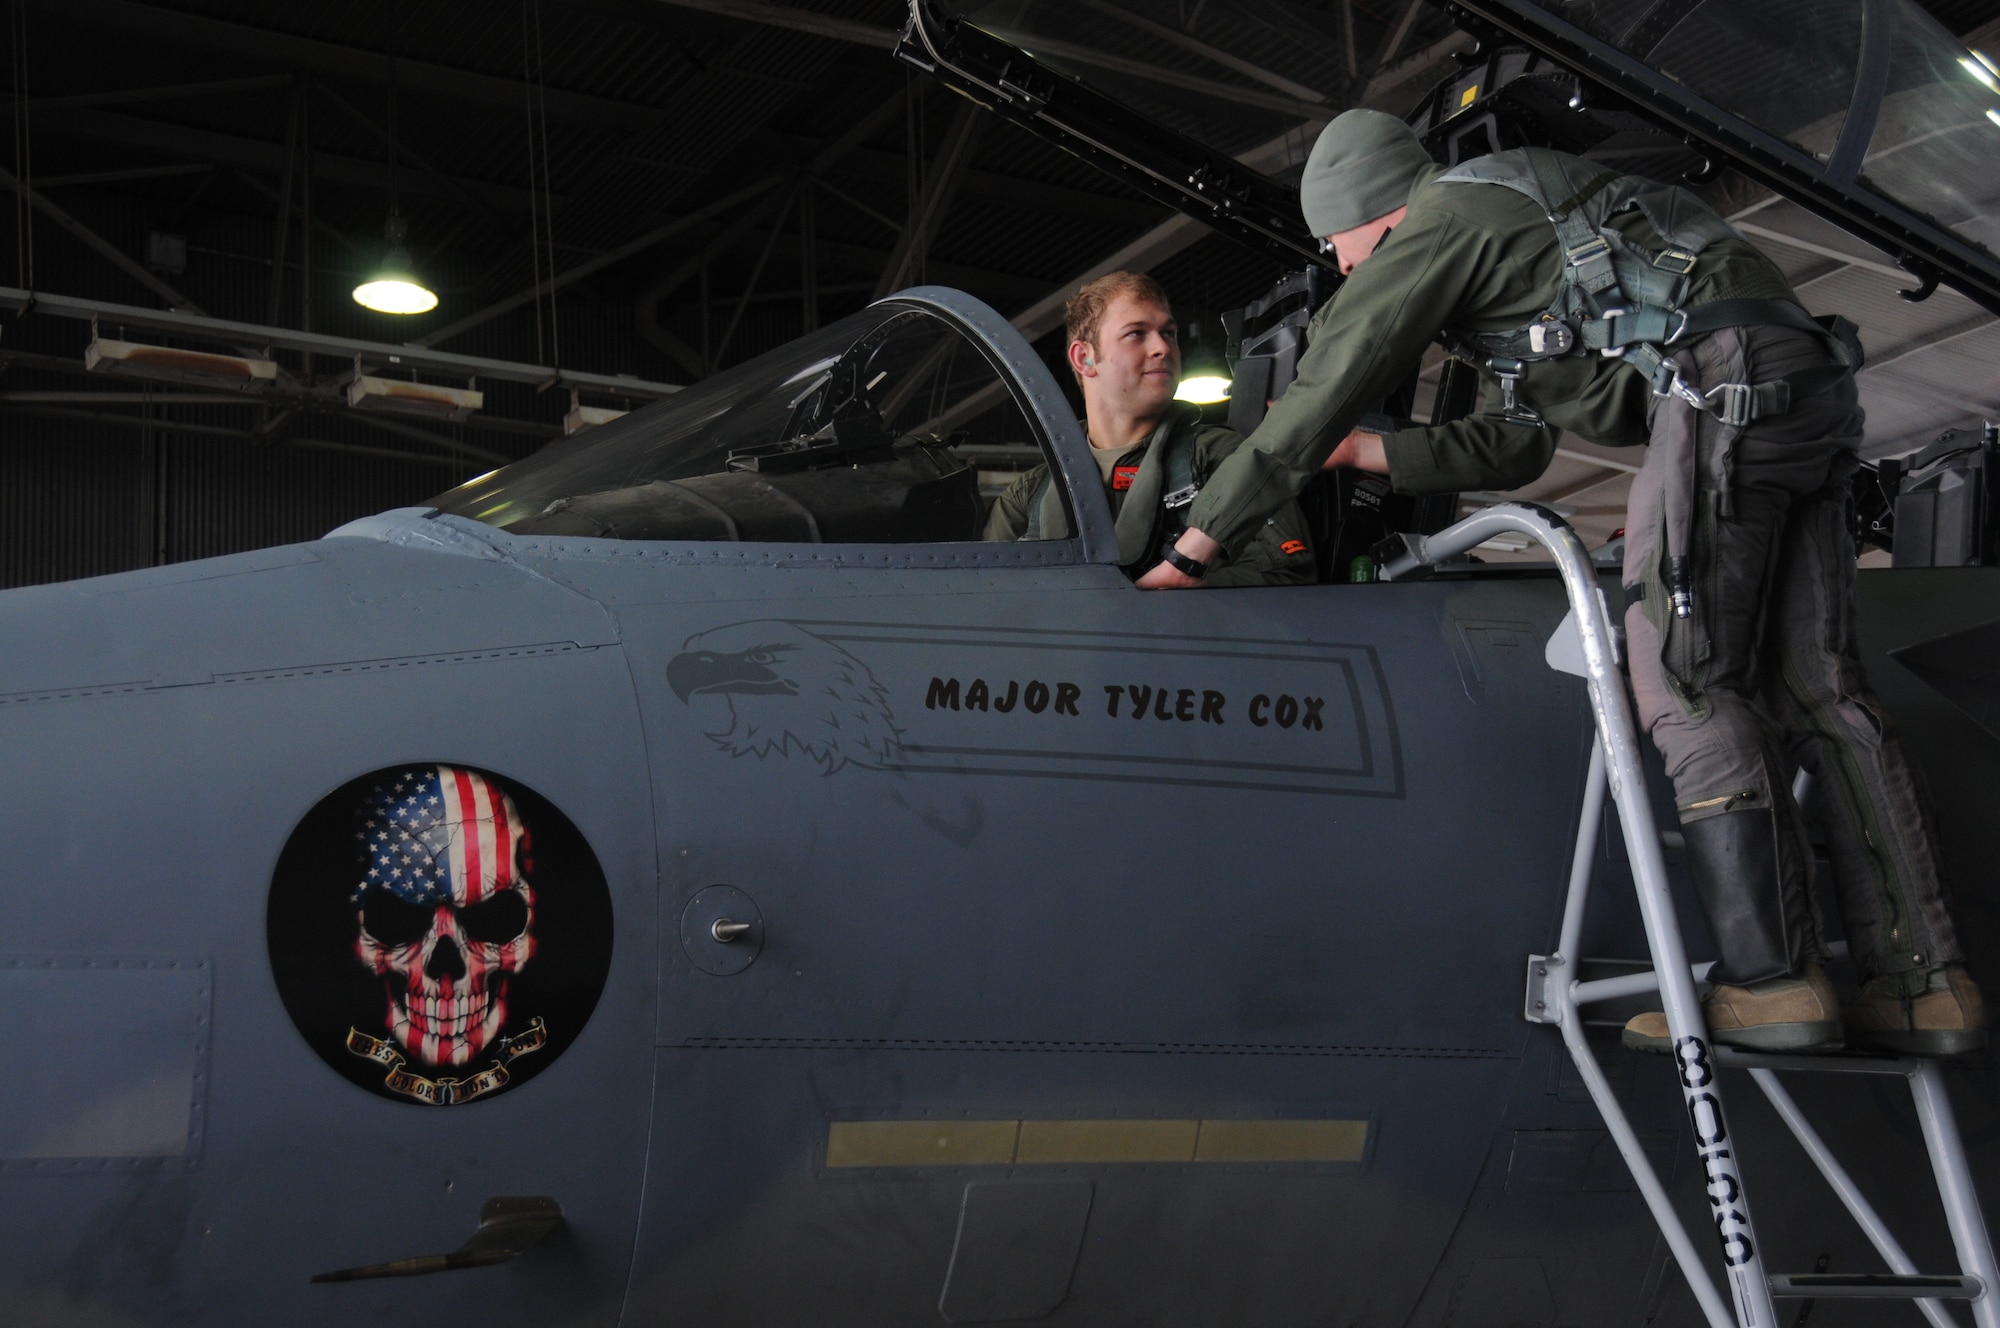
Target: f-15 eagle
788 691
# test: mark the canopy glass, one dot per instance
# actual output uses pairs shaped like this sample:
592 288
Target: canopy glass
1875 92
867 431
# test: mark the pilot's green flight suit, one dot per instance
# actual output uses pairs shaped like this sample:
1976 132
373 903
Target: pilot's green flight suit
1759 511
1277 552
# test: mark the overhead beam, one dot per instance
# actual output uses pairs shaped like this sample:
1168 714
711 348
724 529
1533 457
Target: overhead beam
868 258
1400 34
167 397
1077 53
1149 250
1417 67
161 425
130 173
825 186
1160 243
327 397
658 235
794 20
269 47
103 247
404 152
346 348
318 226
172 92
1206 50
756 275
646 309
930 208
821 160
988 186
256 154
867 34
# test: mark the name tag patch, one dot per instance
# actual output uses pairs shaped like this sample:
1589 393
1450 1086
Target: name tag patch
1122 477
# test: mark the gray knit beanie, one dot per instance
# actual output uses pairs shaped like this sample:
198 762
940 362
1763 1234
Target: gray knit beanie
1361 168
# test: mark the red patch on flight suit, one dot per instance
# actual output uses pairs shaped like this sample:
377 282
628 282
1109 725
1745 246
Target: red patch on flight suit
1122 477
1292 546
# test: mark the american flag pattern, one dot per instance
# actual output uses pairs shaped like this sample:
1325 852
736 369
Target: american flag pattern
438 834
445 839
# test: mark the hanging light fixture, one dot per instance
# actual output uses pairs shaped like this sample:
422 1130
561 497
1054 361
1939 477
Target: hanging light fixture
1205 376
394 287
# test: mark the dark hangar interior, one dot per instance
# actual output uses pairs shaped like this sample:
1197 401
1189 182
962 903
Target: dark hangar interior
651 190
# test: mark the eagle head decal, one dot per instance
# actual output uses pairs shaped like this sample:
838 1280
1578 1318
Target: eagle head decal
788 691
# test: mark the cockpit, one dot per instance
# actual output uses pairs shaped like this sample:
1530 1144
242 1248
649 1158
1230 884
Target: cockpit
869 431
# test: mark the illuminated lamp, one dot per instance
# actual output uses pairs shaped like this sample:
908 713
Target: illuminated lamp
394 288
1205 376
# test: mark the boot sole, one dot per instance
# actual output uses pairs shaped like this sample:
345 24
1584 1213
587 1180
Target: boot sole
1924 1042
1640 1042
1821 1034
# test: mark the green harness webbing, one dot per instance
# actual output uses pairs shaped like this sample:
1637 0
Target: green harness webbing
1177 487
1623 300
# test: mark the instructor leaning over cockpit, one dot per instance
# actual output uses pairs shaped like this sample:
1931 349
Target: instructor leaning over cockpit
1629 312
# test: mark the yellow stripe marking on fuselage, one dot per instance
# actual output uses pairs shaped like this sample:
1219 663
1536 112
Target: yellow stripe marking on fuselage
970 1143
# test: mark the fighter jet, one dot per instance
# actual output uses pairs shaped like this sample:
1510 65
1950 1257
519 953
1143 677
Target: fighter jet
686 877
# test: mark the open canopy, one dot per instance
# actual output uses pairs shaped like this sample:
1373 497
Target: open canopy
1865 111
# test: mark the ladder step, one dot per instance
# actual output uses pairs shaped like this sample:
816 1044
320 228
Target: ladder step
1824 1062
1877 1286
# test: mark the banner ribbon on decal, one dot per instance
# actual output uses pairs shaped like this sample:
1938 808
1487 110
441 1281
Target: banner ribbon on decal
447 1092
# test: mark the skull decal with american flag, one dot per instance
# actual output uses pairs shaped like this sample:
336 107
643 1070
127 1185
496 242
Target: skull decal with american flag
446 915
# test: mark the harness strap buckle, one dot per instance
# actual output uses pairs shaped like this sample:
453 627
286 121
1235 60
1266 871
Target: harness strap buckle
1731 403
1512 408
1180 498
1590 251
1678 261
1550 337
1667 380
1598 332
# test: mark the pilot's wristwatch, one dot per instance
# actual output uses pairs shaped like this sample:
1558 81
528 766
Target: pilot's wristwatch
1183 564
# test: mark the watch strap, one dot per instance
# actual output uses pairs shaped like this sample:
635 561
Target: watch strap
1183 564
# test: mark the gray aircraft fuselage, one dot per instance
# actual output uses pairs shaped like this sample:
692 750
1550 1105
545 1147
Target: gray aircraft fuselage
1119 958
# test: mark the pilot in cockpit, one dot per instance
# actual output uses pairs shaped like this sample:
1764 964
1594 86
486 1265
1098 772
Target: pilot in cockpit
1152 452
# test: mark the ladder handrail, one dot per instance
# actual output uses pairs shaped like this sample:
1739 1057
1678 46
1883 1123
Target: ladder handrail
1625 771
1556 993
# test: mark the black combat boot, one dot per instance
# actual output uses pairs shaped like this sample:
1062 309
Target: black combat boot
1766 996
1733 862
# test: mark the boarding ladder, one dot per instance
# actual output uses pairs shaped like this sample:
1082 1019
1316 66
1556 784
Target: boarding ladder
1587 645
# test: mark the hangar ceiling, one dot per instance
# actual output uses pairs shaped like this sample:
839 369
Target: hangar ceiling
650 188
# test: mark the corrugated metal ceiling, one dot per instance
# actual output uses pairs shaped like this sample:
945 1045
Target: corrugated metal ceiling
657 107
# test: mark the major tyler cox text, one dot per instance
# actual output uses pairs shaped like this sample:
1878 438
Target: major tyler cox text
1142 702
